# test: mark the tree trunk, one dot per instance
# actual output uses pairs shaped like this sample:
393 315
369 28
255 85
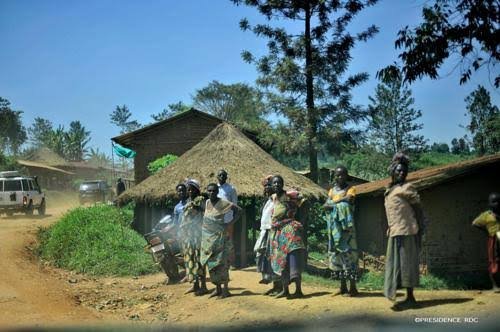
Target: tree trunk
312 125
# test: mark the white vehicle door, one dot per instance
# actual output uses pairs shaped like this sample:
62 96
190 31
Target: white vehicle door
35 190
12 192
3 195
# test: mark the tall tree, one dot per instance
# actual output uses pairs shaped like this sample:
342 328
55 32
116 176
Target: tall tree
121 118
40 131
171 110
465 29
98 158
239 103
459 146
57 141
393 120
306 69
440 147
76 140
12 131
484 121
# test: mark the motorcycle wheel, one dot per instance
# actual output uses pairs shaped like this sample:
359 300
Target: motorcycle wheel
169 266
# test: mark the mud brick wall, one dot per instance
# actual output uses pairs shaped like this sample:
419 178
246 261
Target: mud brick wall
174 137
451 244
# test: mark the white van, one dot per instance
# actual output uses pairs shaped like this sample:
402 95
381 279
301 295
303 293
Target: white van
20 194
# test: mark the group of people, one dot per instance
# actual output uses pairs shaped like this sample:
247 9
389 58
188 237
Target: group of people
206 233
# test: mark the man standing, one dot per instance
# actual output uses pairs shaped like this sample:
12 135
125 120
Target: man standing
228 192
120 187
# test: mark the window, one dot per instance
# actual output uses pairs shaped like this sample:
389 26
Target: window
12 185
32 186
25 185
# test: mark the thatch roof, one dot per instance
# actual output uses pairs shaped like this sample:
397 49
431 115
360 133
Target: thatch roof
432 176
46 156
40 165
224 147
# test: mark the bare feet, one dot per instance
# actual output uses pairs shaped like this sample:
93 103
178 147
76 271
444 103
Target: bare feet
191 290
297 295
272 291
282 294
201 291
225 293
409 303
215 293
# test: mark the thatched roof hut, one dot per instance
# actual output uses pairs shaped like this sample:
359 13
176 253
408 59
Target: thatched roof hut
224 147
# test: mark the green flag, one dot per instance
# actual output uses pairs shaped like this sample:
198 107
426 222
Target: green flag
123 152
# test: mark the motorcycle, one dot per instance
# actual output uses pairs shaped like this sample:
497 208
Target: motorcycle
165 248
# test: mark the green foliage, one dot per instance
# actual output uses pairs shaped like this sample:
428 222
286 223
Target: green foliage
120 117
304 72
317 236
374 281
460 146
484 121
12 131
429 159
393 123
96 240
468 29
97 158
367 163
239 104
8 163
40 132
161 162
75 141
440 148
171 110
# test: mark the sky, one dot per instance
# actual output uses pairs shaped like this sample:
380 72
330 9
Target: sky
67 60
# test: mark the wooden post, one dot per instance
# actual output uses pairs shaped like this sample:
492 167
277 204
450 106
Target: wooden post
243 239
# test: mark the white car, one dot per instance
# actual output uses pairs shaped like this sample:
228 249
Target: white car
20 194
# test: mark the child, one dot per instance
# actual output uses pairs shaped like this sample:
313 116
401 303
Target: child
490 222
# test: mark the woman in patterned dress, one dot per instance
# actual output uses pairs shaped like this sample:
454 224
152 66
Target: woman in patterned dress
215 240
190 232
342 248
287 252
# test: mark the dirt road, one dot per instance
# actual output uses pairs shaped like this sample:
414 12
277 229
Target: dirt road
32 294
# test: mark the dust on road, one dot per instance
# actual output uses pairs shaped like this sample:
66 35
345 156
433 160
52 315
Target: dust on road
34 294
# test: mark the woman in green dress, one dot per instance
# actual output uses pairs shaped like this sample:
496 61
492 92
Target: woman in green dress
342 248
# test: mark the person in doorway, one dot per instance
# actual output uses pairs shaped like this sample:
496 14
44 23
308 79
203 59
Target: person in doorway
489 221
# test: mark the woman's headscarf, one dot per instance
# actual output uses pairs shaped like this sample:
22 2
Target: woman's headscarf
398 158
194 183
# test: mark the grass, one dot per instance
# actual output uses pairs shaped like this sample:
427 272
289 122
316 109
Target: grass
96 240
374 281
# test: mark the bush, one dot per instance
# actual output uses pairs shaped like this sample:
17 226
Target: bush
96 240
161 162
